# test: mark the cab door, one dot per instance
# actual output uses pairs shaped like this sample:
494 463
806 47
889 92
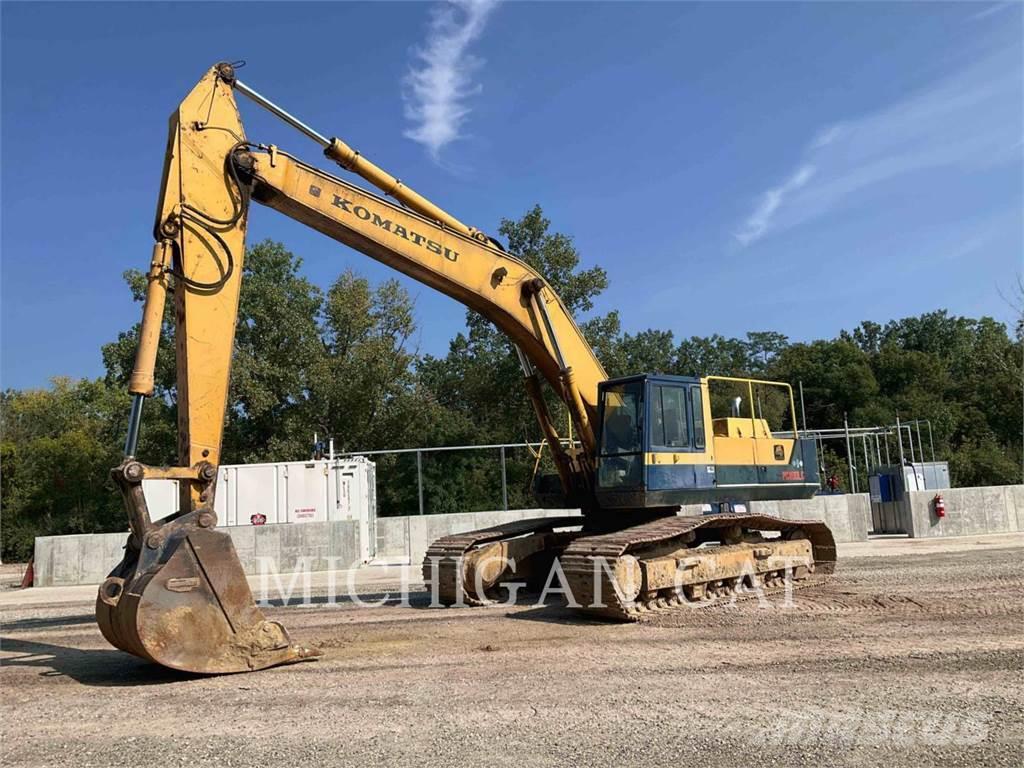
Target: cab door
671 438
620 462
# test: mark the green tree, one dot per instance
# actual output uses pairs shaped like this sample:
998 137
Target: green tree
648 351
836 375
58 447
763 347
276 351
712 355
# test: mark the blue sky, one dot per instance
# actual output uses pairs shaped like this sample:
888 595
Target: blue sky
734 167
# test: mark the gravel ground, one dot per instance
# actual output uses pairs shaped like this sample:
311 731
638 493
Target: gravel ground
901 660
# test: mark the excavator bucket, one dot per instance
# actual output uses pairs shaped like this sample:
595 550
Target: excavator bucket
180 598
186 604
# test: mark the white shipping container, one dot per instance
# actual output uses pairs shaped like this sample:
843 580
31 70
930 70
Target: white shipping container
287 492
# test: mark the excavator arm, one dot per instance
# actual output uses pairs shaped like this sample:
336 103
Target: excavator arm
179 596
212 172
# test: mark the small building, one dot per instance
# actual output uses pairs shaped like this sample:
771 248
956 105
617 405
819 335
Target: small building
317 490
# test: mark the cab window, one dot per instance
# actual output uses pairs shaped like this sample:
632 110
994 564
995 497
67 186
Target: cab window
698 417
621 428
668 412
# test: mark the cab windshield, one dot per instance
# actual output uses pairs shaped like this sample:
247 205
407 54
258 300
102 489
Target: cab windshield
621 429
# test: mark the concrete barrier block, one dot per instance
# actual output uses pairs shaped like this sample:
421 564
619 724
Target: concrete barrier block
994 504
63 561
267 546
1015 507
392 538
90 566
344 543
992 510
485 520
41 561
417 538
847 516
767 508
110 550
93 561
965 514
244 539
304 545
967 510
837 516
859 510
117 545
971 512
926 525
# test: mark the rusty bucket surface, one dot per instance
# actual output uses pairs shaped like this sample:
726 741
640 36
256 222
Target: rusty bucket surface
181 599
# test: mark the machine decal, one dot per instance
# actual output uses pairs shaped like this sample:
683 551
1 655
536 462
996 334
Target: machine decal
364 214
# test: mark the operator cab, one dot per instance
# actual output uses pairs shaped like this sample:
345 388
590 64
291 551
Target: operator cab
642 414
658 446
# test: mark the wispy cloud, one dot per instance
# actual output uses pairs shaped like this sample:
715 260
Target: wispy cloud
759 220
993 9
439 84
968 120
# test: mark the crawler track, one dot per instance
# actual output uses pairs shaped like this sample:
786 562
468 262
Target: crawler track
446 555
590 561
584 560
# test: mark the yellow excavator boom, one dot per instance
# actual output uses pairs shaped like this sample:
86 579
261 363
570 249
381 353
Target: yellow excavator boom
181 567
180 597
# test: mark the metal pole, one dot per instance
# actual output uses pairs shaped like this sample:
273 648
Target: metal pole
888 461
753 416
803 412
867 461
131 442
931 442
920 445
270 106
543 310
419 477
849 454
504 482
910 441
878 451
899 436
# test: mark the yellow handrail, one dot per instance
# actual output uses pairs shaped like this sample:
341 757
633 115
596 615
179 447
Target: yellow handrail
750 386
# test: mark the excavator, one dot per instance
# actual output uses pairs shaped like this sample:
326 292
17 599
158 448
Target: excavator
645 445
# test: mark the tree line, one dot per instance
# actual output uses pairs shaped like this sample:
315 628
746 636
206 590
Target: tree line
343 362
